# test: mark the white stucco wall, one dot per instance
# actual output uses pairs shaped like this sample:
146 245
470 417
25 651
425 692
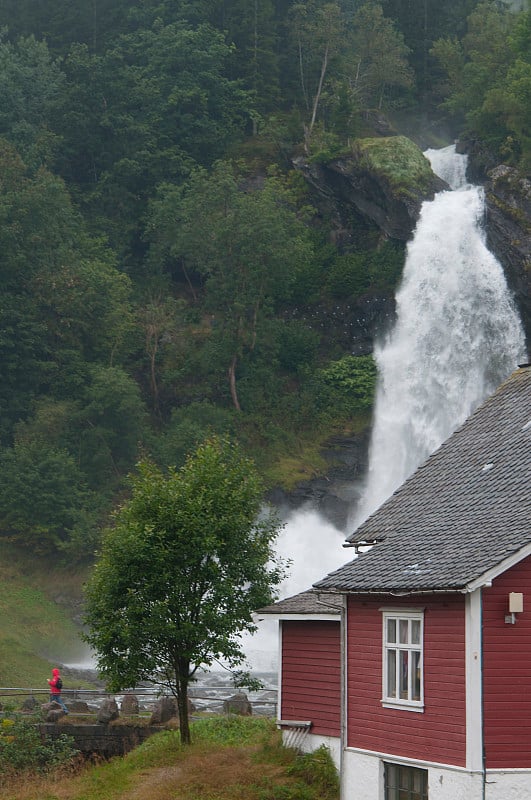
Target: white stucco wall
363 779
363 775
508 785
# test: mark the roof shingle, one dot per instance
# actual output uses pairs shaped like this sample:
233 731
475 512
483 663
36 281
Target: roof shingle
308 602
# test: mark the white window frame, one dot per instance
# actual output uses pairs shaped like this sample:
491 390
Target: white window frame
410 650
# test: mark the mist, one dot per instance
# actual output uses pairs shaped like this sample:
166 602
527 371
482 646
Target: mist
315 548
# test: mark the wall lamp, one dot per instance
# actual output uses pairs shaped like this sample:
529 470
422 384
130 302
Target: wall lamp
516 606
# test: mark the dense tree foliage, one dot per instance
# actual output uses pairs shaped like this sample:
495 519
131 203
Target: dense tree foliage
163 273
488 79
189 559
248 246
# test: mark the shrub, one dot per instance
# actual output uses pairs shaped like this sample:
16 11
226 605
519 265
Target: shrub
298 345
385 266
318 770
348 275
352 381
23 750
369 271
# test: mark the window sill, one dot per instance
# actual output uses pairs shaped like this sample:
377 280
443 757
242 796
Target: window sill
403 706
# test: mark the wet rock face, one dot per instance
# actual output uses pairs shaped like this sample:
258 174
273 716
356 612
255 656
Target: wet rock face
352 180
331 496
508 225
351 324
344 184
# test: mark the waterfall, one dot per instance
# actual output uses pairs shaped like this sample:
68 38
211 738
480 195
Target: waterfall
456 337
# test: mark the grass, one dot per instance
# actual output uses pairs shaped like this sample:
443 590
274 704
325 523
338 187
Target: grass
231 758
289 470
399 160
303 460
36 627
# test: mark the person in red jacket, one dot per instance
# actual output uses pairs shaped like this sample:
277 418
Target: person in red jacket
55 691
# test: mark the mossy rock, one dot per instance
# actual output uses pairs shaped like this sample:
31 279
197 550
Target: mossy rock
385 179
399 161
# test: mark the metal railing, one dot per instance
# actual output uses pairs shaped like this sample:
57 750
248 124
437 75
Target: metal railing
208 698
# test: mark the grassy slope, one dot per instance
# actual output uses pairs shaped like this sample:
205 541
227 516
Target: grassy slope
35 630
230 759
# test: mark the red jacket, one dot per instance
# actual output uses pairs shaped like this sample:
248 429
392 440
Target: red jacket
55 677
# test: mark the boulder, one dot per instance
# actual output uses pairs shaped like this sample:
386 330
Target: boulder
78 707
52 712
29 705
164 709
54 715
129 705
238 704
108 711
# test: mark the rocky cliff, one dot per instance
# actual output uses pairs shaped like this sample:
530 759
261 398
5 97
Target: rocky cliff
386 180
508 225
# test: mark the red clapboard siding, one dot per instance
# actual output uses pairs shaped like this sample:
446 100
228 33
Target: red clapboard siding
439 732
507 671
311 674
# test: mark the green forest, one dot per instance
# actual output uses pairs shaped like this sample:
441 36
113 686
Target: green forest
165 273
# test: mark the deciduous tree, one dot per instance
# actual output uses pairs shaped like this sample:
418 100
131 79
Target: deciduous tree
319 34
380 56
189 558
42 493
31 86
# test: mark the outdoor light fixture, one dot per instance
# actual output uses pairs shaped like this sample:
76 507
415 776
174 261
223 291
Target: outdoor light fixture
516 606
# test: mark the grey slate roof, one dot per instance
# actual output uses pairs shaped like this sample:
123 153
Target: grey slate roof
461 514
308 602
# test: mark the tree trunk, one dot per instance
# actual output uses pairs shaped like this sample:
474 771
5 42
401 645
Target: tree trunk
324 66
189 282
182 702
232 384
301 72
152 344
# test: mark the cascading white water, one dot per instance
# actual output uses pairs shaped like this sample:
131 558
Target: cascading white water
457 335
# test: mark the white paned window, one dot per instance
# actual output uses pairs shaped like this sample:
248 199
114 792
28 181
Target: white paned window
403 685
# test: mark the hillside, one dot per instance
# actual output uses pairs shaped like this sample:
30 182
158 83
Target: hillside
167 271
37 630
204 209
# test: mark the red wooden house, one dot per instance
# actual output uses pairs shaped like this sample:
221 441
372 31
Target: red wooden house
413 661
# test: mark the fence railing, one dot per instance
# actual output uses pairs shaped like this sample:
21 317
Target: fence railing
204 698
